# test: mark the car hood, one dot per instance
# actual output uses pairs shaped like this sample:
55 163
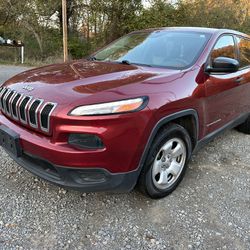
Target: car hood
87 82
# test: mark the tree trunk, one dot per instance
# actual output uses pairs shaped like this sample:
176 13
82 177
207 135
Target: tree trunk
36 35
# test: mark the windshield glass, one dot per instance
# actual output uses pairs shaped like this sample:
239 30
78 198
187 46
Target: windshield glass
171 49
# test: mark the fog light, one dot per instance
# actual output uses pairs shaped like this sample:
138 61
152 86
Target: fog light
85 141
92 177
89 176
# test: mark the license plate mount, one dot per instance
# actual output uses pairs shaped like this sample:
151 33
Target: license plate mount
10 141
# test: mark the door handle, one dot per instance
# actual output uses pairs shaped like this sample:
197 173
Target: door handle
239 80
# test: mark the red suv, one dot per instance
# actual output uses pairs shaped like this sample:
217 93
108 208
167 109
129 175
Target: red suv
132 113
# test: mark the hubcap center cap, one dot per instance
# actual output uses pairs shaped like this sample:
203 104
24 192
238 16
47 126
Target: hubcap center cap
167 160
165 166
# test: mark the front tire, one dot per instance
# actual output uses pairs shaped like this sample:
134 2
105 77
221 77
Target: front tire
166 162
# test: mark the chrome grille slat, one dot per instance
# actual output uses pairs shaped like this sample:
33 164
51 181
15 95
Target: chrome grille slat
1 91
30 111
4 100
8 102
22 109
11 101
15 102
1 97
46 128
18 106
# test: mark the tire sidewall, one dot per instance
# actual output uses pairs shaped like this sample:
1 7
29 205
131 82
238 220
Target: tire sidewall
173 131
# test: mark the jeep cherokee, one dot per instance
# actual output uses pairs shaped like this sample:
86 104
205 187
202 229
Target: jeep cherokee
130 114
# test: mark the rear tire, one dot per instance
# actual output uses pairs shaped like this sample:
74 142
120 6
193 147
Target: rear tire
245 126
166 162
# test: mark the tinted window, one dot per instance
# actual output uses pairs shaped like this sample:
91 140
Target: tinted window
172 49
224 47
244 47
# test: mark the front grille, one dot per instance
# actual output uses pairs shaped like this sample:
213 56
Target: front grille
30 111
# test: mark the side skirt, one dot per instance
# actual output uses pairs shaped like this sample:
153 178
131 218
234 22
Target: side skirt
239 120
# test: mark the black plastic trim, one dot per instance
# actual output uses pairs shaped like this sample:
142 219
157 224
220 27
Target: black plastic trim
163 122
69 177
9 139
232 124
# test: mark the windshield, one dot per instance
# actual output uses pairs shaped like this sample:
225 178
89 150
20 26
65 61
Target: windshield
171 49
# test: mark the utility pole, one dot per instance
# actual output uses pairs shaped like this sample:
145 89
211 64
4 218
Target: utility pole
65 30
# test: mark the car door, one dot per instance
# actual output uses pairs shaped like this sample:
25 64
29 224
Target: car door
222 90
244 58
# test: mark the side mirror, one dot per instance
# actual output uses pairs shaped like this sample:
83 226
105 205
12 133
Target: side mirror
223 65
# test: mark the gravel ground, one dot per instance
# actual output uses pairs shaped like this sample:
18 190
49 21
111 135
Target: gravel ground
209 210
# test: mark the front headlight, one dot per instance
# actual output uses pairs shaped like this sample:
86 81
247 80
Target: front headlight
117 107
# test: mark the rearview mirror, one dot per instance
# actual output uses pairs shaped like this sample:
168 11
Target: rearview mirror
223 65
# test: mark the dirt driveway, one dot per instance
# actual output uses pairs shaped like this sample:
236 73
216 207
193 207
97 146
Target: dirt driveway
209 210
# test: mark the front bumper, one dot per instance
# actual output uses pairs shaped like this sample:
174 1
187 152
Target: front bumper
124 138
114 168
82 179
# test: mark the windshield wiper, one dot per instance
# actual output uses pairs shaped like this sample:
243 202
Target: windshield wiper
126 62
92 58
143 64
129 63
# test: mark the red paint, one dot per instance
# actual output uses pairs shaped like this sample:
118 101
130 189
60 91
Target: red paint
125 136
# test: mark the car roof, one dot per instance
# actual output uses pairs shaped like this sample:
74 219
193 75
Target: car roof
195 29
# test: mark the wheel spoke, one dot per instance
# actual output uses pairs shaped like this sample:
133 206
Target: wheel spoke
177 151
163 177
174 168
167 148
157 167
